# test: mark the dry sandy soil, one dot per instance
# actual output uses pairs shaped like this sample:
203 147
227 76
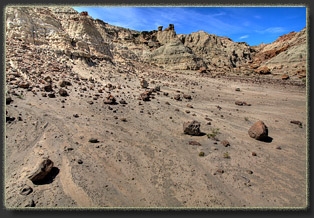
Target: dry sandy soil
145 160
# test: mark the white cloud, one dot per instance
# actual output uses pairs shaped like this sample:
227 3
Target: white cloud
272 30
244 37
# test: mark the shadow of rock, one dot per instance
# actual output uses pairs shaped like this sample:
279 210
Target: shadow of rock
267 139
49 178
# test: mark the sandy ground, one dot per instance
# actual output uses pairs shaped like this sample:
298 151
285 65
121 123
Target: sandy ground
147 161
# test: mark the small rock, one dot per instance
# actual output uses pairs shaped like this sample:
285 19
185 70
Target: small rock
242 103
187 96
157 89
65 83
110 100
177 97
258 131
249 171
51 95
194 143
225 143
63 92
79 161
75 115
122 101
297 123
26 190
237 89
93 140
144 84
285 77
145 96
48 79
123 119
30 203
48 88
220 171
253 154
192 128
24 85
263 70
8 100
189 106
201 154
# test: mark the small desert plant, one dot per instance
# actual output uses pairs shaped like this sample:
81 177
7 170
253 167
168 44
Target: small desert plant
246 119
214 133
201 154
226 155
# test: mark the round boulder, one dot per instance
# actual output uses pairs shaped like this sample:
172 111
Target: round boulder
258 131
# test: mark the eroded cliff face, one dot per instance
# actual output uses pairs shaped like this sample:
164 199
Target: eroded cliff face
218 53
287 54
63 29
80 36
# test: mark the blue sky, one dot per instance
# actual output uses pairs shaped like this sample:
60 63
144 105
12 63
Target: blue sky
253 25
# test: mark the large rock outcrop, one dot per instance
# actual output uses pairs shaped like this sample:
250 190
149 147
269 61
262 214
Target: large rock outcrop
62 28
285 55
174 55
218 53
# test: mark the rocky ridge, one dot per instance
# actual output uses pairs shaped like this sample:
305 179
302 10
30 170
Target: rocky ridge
81 36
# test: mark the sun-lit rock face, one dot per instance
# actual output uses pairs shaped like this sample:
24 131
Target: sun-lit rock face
63 29
217 52
286 54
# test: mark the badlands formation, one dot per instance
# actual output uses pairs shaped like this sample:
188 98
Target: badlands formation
102 116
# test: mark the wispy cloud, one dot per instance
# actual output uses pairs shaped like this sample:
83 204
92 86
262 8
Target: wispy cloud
244 37
274 30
